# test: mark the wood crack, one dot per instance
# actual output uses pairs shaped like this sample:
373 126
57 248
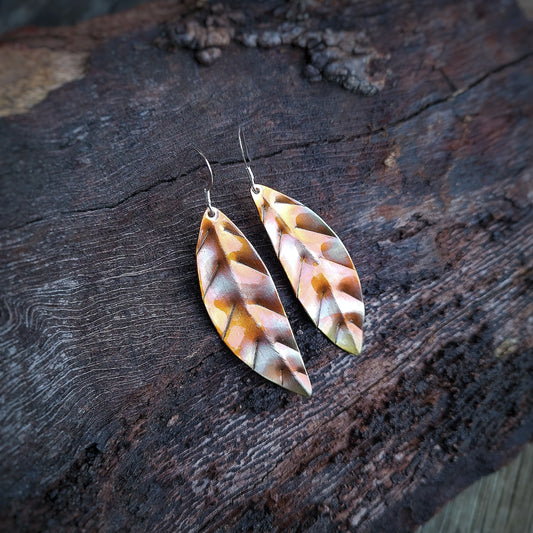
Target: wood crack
290 146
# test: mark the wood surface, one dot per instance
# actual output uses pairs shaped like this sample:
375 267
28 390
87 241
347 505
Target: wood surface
405 125
499 502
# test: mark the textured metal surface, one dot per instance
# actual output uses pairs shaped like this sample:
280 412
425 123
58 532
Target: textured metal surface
318 266
244 305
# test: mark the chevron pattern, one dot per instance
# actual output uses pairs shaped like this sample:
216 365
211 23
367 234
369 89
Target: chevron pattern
244 305
318 266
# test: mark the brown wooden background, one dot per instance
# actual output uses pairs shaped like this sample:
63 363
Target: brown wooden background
406 125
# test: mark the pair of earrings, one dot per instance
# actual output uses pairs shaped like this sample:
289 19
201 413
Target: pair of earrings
240 296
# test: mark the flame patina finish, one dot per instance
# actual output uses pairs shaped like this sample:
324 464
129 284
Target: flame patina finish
243 303
318 266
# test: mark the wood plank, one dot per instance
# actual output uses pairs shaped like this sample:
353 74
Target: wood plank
121 409
499 502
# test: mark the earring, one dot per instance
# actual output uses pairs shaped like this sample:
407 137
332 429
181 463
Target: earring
316 262
243 303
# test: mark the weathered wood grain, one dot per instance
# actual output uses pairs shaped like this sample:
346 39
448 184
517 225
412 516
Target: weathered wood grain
121 409
499 502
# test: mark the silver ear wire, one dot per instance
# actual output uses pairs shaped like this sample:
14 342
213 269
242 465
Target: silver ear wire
209 186
247 160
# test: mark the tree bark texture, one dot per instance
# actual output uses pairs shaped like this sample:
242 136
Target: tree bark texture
406 125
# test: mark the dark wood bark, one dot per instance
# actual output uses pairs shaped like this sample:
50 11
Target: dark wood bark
121 409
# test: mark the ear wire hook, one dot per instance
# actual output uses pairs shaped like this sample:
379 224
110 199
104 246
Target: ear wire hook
247 160
209 186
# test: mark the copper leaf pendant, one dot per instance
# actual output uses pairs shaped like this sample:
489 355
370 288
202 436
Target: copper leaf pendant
318 266
243 303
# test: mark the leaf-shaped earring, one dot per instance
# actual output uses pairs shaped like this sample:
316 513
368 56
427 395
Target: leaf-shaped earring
243 303
316 262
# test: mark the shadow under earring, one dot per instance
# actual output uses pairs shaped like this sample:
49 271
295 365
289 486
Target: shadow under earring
243 303
316 262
